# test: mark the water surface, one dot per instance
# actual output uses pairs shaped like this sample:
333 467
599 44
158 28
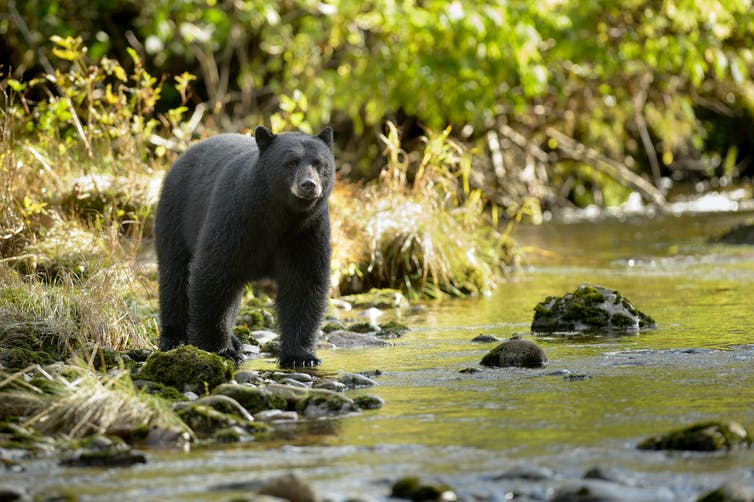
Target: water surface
465 429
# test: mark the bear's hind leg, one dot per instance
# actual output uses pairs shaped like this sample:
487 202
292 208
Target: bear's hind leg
173 278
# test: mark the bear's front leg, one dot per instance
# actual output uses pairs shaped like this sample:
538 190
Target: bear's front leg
303 281
214 298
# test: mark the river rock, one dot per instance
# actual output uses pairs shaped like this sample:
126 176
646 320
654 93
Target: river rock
188 366
356 381
102 451
740 234
289 487
253 399
589 308
482 338
729 492
411 488
322 403
515 352
706 436
353 340
594 490
369 402
9 494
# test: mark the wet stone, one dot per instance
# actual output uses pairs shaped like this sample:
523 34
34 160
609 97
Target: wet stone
253 399
353 340
729 492
356 381
706 436
515 352
604 491
482 338
289 487
411 488
369 402
331 385
589 309
102 451
527 472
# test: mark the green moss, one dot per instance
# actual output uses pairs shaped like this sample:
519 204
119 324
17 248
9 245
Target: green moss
227 435
621 321
394 328
243 333
256 318
16 359
187 365
158 389
410 488
332 325
254 399
706 436
362 327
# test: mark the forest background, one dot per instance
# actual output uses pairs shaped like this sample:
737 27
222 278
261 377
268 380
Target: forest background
453 120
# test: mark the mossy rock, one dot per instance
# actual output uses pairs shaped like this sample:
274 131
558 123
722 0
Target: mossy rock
706 436
411 488
256 318
188 366
204 420
589 309
158 389
515 352
333 325
243 333
106 359
729 492
323 403
103 451
253 399
369 402
740 234
16 359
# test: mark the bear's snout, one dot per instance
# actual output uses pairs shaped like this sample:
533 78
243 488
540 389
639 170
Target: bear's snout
306 185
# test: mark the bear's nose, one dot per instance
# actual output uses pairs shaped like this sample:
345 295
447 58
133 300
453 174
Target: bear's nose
308 185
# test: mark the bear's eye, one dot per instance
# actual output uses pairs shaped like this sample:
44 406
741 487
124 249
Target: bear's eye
316 164
291 163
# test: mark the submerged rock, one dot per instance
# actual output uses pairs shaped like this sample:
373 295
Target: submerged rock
740 234
103 451
729 492
353 340
589 308
706 436
482 338
410 488
188 366
515 352
289 487
369 402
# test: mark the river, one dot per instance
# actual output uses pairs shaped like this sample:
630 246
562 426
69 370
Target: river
469 429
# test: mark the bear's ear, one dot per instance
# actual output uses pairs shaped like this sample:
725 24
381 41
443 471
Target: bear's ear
326 136
263 137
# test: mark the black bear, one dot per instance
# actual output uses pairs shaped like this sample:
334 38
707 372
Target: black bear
234 209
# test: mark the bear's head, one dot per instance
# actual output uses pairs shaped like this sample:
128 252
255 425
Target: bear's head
298 167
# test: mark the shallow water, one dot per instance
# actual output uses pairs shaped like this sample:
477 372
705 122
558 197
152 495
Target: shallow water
466 429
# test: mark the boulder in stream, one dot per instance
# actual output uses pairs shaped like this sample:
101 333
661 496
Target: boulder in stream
705 436
515 352
591 309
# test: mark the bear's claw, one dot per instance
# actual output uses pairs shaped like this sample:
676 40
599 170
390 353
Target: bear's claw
306 361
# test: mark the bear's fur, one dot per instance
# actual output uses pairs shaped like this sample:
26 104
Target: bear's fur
234 209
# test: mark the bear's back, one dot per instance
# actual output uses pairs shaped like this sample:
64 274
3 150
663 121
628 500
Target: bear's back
218 163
